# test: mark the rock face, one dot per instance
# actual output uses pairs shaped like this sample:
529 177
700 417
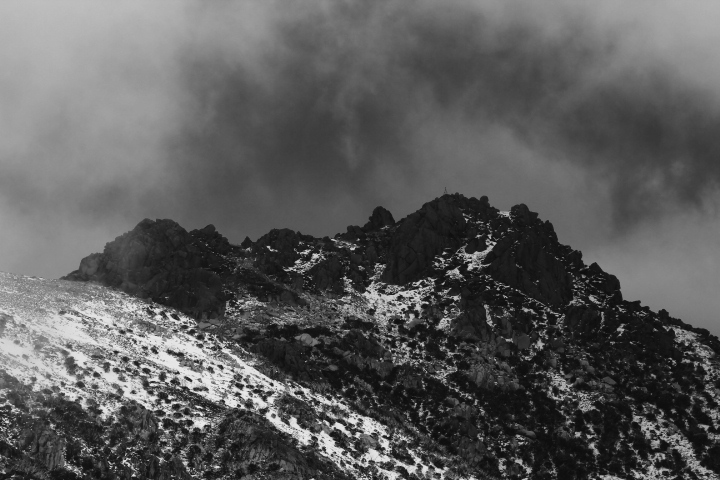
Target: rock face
438 225
46 446
277 249
380 218
161 260
256 451
528 258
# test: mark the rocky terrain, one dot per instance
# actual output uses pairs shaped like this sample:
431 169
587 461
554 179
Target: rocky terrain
460 342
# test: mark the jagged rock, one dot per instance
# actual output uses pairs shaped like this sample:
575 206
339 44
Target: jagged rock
607 283
289 356
46 446
482 375
476 244
161 260
255 447
277 249
328 275
383 368
471 451
419 237
173 468
365 346
528 259
471 325
581 320
380 218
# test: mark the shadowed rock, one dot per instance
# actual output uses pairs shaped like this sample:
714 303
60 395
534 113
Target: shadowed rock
381 217
257 451
529 258
161 260
438 225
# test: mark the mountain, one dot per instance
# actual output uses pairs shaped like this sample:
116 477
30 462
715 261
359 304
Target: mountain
458 342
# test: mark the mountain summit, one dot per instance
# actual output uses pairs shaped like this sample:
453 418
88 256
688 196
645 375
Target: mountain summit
457 342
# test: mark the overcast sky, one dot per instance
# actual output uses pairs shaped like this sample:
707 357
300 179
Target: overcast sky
255 115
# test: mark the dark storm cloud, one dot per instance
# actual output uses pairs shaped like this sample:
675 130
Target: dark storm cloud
261 114
228 107
344 90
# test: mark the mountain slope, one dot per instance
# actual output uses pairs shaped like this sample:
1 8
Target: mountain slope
458 342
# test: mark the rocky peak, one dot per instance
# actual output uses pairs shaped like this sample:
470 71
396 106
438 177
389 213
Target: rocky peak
278 249
419 237
520 213
161 260
381 217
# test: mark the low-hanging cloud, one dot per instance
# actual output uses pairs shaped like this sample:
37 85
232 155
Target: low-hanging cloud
261 114
337 94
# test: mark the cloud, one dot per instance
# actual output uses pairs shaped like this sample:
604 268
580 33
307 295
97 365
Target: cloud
260 114
341 93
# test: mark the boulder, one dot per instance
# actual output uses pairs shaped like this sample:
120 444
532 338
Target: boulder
369 441
522 341
307 339
527 433
415 322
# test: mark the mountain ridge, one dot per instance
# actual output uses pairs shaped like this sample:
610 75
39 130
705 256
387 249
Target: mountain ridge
491 347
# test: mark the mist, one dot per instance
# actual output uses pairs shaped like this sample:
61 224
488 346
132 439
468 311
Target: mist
257 115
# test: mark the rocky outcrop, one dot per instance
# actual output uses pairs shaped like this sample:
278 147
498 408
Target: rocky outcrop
328 274
471 325
528 258
380 218
161 469
367 347
252 448
45 446
605 282
291 357
581 320
277 249
418 238
161 260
